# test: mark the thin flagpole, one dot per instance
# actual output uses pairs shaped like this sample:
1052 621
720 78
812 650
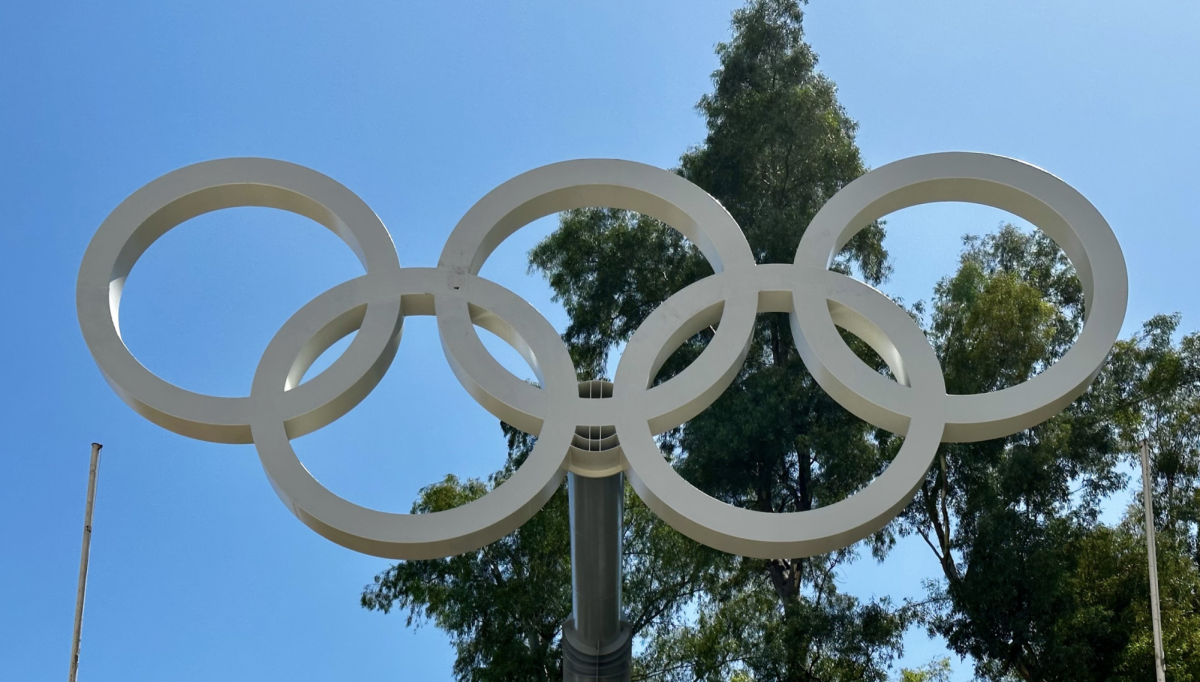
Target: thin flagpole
83 559
1147 490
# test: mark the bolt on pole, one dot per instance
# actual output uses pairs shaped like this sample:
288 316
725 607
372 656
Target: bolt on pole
83 559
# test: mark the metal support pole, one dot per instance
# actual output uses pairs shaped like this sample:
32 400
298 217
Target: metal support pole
83 559
596 643
1152 553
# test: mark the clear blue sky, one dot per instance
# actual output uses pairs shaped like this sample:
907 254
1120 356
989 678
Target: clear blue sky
198 572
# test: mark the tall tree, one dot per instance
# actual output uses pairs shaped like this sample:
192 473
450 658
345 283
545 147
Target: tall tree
778 146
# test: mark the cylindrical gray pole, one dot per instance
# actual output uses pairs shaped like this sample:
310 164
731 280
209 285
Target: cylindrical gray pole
1152 553
83 559
596 557
596 642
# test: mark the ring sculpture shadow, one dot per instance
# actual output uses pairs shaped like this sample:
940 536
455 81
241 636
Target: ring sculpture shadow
281 405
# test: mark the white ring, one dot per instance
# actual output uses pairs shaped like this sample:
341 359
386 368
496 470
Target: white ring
184 194
561 187
1024 190
335 314
770 288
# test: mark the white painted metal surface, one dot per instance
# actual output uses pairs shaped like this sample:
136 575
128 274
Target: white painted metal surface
282 406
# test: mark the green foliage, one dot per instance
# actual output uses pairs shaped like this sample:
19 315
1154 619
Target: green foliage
741 630
610 269
1033 587
1158 385
1111 585
934 671
1013 305
503 605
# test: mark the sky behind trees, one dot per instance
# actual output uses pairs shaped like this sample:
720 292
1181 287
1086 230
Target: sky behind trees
198 571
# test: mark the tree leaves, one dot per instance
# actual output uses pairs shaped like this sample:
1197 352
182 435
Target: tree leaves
503 605
1034 588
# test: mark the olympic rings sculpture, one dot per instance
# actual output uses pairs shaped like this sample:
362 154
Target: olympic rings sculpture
632 410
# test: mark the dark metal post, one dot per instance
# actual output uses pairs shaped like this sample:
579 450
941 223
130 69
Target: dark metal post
596 643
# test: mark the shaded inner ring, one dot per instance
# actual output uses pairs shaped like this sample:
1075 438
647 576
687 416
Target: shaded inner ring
595 438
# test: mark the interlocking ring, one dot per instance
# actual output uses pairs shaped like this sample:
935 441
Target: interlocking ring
576 431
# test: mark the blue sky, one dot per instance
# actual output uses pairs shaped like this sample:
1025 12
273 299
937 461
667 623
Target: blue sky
198 572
